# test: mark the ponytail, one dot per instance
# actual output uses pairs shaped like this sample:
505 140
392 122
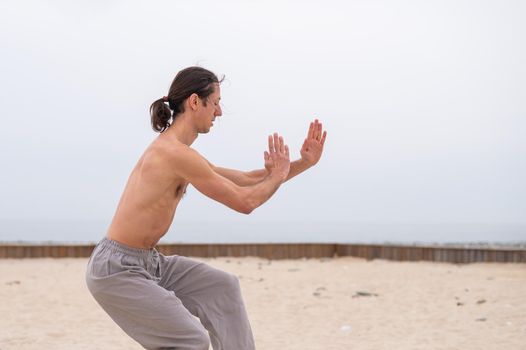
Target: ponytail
160 115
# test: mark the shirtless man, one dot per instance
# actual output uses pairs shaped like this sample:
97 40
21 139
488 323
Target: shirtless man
153 297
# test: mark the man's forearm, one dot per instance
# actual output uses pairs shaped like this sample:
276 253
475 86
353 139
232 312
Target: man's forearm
262 191
251 178
268 185
238 177
296 167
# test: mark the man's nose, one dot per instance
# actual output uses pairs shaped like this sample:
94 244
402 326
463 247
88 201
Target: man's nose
218 112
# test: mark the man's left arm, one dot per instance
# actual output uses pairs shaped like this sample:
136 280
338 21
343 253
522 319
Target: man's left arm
242 178
311 152
250 178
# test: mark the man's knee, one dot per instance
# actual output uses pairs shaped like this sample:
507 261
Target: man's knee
197 340
230 281
202 341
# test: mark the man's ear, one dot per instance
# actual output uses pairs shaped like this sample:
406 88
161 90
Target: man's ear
193 101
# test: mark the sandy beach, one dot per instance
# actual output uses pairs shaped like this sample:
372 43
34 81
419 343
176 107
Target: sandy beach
338 303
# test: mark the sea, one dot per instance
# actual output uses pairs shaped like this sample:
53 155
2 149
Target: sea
91 231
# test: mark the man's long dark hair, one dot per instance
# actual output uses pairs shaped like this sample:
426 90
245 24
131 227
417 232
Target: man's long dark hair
188 81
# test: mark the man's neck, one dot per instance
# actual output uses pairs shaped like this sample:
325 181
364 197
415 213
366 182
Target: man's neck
182 130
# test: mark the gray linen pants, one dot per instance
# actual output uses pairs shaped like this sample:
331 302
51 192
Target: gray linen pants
154 299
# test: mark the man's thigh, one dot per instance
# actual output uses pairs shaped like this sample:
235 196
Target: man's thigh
191 278
150 314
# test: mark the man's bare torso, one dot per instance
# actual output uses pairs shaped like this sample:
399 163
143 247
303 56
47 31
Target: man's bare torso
149 201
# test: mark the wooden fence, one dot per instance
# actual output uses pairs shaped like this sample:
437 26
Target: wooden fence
291 251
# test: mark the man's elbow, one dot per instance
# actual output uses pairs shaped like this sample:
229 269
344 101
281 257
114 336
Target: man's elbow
244 202
246 207
245 211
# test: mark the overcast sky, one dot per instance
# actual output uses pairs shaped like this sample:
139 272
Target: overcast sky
424 104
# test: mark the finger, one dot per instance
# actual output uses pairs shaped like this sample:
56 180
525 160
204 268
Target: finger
287 151
311 130
281 145
266 155
319 132
316 130
270 144
276 142
323 138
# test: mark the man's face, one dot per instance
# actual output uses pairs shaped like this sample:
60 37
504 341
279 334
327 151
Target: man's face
209 112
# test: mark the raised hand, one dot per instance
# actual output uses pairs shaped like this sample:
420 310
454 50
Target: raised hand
277 159
313 145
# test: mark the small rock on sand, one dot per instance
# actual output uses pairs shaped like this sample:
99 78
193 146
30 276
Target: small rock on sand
364 294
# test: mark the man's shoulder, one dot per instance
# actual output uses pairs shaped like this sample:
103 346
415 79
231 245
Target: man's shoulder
176 154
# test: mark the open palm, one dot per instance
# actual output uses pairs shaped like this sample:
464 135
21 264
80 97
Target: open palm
313 145
277 159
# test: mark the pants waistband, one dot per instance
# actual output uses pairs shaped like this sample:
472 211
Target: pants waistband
123 248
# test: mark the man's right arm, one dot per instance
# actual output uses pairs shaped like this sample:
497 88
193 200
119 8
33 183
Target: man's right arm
196 170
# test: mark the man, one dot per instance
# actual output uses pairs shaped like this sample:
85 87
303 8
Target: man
153 297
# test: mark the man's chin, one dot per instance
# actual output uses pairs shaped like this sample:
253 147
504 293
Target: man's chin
204 131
